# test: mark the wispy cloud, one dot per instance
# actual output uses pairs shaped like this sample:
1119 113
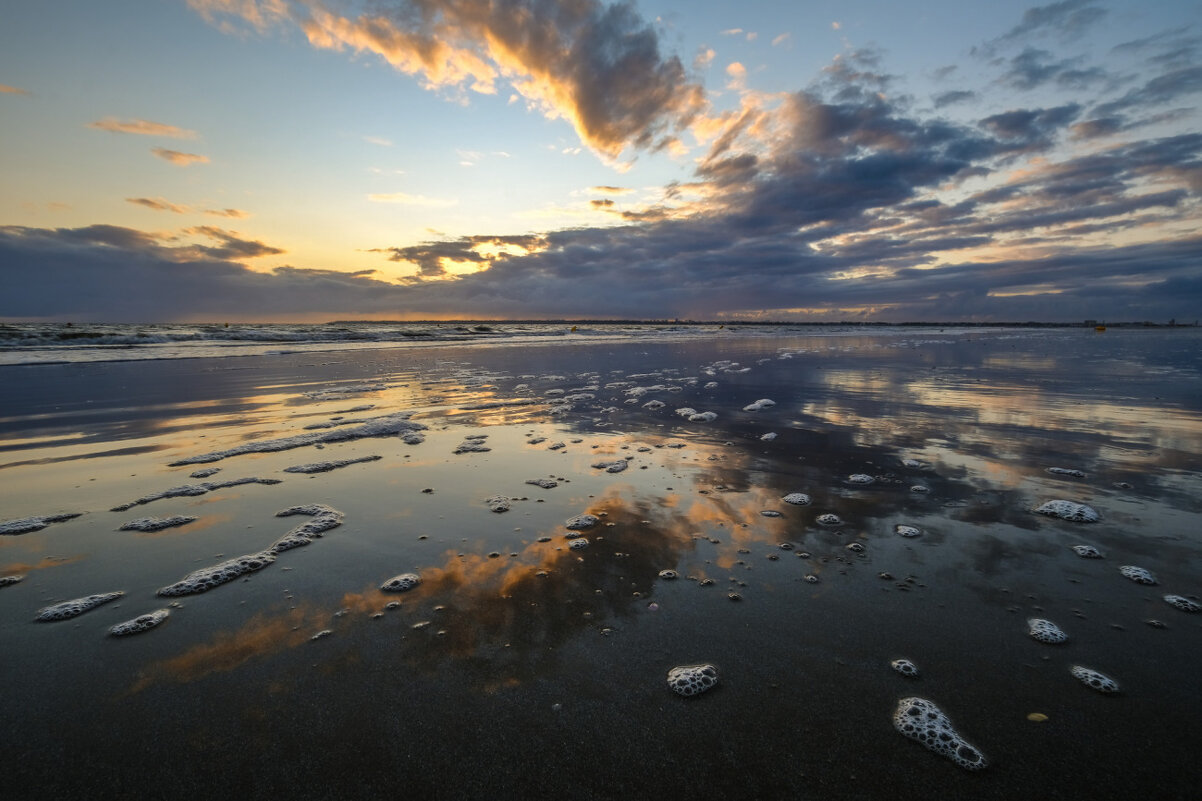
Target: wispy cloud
157 204
5 89
781 39
179 158
142 128
236 214
406 199
378 140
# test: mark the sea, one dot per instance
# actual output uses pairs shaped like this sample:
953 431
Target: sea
516 560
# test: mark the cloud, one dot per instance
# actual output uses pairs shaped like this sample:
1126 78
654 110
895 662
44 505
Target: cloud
1068 18
178 158
1032 68
601 203
610 190
954 96
157 204
142 128
405 199
378 140
781 39
595 65
236 214
231 246
5 89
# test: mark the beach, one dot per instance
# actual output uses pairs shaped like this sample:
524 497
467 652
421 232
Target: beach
530 659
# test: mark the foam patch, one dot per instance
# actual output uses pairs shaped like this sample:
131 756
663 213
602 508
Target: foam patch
7 580
156 523
919 719
1094 680
612 467
140 623
860 478
402 583
497 503
1067 510
207 578
703 417
907 531
324 519
1045 631
325 467
1183 603
905 667
1065 471
691 680
1087 552
578 544
668 575
191 490
545 483
28 524
829 519
768 437
581 522
76 607
386 426
797 499
762 403
1138 574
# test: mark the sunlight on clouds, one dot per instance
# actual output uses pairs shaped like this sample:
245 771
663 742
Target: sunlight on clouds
178 158
5 89
142 128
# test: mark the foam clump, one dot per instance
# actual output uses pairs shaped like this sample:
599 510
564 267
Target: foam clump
7 580
76 607
771 435
191 490
919 719
497 503
686 412
402 583
612 467
28 524
905 667
324 519
907 531
205 473
829 519
1138 574
654 405
578 543
156 523
1094 680
581 522
703 417
860 478
1045 631
388 425
1067 510
545 483
668 575
762 403
473 444
140 623
690 680
325 467
1065 471
797 499
1087 552
1183 603
207 578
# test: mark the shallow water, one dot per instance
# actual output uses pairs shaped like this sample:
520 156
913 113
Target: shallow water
521 668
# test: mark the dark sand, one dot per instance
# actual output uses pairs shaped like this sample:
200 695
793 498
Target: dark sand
542 670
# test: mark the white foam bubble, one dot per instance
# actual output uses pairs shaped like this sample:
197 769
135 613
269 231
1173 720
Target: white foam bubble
907 531
545 483
140 623
325 467
1094 680
402 583
905 667
860 478
497 503
691 680
612 467
7 580
581 522
156 523
919 719
191 490
75 607
762 403
770 513
1068 510
768 437
1087 552
205 473
654 405
703 417
1045 631
28 524
668 575
578 543
207 578
388 425
797 499
829 519
920 488
1138 574
1183 603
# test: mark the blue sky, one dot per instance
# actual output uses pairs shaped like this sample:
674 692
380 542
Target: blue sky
317 159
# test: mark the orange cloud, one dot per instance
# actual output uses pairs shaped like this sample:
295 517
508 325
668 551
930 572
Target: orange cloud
142 128
178 158
157 204
11 90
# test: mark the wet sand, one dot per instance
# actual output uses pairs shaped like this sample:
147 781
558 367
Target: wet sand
523 668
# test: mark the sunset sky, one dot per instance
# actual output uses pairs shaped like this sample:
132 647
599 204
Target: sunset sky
308 160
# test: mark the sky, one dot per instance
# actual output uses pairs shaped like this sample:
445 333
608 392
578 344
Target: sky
873 160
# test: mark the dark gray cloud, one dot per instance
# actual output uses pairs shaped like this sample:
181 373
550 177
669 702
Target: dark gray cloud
1033 68
954 96
1066 19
